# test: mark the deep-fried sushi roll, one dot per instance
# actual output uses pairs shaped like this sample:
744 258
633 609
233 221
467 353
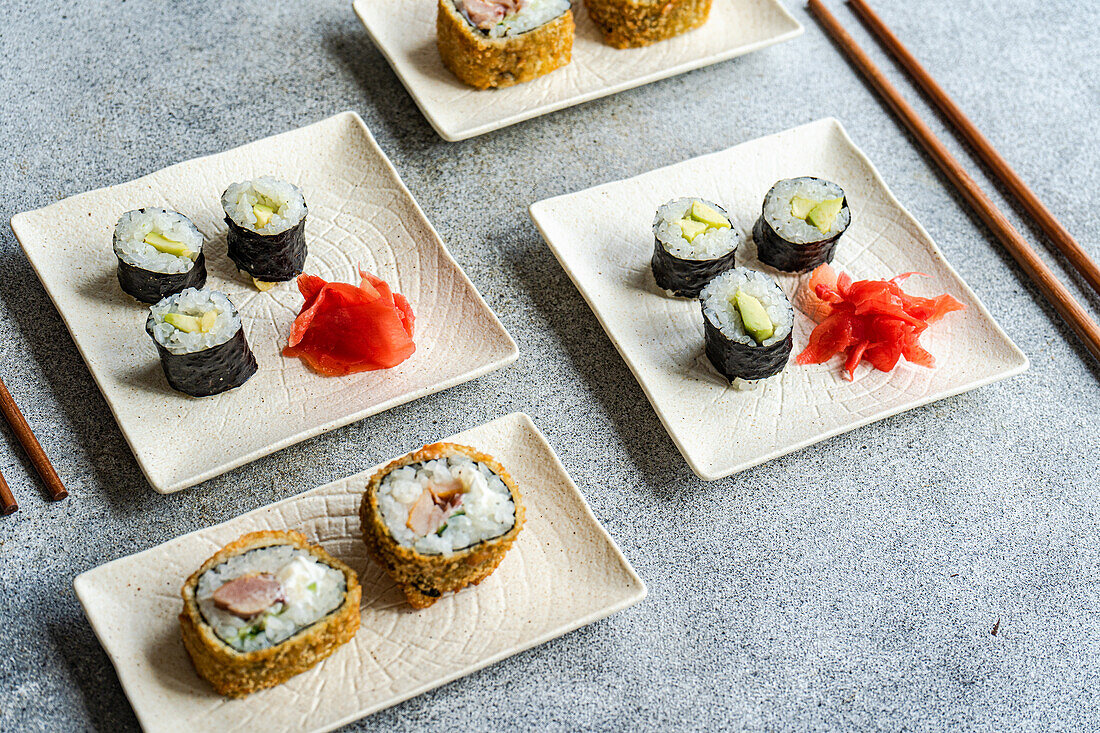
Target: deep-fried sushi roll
264 608
440 519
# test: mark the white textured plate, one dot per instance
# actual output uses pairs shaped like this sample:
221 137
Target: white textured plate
360 213
404 30
603 239
563 572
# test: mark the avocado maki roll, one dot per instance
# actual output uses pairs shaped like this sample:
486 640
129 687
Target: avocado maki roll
498 43
748 323
694 240
801 223
264 608
201 342
267 229
440 519
159 253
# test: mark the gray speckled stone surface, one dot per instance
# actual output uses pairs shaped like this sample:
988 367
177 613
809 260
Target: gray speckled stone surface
851 585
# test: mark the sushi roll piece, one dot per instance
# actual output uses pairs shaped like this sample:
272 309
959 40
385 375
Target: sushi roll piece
440 519
632 23
748 322
159 253
267 229
498 43
694 241
201 342
264 608
801 223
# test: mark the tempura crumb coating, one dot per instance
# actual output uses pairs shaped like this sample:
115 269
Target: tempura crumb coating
632 23
484 62
424 578
236 674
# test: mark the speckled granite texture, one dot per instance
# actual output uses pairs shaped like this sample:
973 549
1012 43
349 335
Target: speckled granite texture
851 585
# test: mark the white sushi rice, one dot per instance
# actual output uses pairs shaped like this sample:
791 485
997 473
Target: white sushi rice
777 209
487 507
720 310
194 302
285 198
531 15
134 226
711 245
312 590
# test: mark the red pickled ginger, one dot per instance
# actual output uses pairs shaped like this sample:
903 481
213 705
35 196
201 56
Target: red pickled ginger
868 320
344 328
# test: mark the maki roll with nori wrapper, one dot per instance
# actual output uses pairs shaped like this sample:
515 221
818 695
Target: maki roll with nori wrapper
159 253
694 241
440 519
801 223
748 322
267 228
201 342
264 608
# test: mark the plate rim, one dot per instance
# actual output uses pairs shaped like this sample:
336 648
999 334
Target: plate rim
540 214
457 133
84 583
22 228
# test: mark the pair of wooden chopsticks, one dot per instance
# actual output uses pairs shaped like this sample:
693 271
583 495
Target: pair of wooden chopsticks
1052 288
30 444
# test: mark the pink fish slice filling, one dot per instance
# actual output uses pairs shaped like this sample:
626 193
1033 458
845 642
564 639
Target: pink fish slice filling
487 13
433 507
249 595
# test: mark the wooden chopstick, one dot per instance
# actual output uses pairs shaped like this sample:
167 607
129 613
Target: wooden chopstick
30 444
1055 292
997 165
8 504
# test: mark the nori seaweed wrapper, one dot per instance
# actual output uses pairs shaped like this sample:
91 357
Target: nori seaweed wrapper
211 371
774 251
686 278
151 287
737 360
271 258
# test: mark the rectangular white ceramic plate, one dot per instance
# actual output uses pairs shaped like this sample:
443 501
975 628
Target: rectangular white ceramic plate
603 239
563 572
360 213
404 30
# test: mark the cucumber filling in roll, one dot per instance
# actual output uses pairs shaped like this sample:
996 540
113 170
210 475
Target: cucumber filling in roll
748 325
201 342
159 253
801 223
694 241
500 18
443 505
259 599
194 320
266 238
157 240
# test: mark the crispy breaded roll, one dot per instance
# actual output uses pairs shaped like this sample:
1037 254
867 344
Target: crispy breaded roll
440 519
485 51
264 608
632 23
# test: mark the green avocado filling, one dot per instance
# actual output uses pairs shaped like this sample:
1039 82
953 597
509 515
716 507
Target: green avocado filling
263 210
754 317
192 324
820 214
169 246
700 219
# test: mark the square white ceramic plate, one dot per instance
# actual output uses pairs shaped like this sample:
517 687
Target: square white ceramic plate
563 572
603 239
360 213
404 30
